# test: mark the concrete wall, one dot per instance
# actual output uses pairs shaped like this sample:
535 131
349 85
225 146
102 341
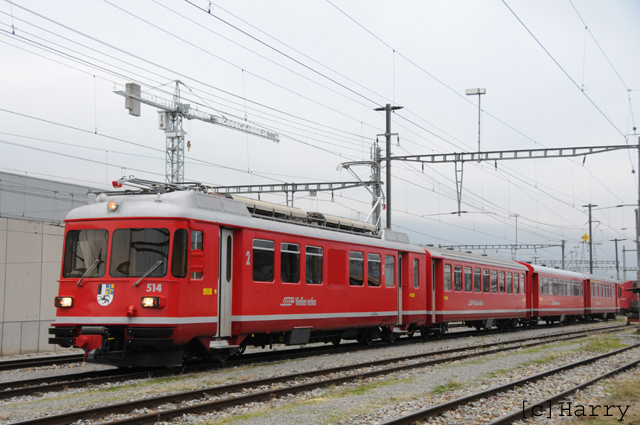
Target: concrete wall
30 261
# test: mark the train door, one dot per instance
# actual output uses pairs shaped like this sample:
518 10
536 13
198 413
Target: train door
586 285
225 282
434 275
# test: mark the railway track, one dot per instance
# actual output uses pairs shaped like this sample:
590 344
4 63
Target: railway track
520 411
83 379
163 408
40 361
78 358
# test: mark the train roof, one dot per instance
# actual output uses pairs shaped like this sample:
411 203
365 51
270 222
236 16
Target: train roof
556 272
195 205
594 278
473 258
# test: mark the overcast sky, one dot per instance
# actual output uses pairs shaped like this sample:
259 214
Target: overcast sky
314 71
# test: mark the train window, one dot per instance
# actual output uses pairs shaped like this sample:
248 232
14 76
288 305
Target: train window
555 286
180 252
457 278
467 279
541 284
485 281
289 262
85 251
416 273
373 269
447 277
356 268
522 284
501 282
263 260
390 271
509 283
134 252
494 281
196 243
314 265
477 280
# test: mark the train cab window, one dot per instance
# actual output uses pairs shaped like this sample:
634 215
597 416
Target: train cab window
467 279
447 277
477 280
485 281
180 253
494 281
356 268
509 283
314 265
289 262
85 252
501 282
457 278
136 252
416 273
373 269
390 271
196 243
263 260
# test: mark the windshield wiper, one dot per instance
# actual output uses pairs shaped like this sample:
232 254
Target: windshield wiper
155 266
90 269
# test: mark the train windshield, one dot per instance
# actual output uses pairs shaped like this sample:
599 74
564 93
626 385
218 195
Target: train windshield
134 252
85 252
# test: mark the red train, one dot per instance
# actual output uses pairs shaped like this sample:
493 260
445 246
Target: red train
629 300
163 274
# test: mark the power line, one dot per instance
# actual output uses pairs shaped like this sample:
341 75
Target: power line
562 69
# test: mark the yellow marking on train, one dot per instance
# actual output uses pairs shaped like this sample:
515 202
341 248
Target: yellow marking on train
207 291
412 295
446 298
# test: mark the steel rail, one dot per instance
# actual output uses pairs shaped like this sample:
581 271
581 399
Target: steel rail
513 416
520 414
61 382
40 361
154 402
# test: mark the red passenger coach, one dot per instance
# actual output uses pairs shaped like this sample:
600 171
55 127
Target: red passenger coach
628 300
557 295
603 302
154 277
480 291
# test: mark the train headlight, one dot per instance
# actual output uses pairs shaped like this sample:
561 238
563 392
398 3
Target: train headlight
64 302
112 205
151 302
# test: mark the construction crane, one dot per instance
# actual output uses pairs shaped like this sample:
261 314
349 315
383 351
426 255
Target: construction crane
170 117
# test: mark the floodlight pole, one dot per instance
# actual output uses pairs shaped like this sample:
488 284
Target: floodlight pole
388 108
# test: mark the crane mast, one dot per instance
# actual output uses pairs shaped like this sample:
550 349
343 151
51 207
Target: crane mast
170 116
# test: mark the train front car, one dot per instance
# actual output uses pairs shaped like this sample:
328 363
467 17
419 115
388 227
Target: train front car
480 291
557 295
602 301
135 287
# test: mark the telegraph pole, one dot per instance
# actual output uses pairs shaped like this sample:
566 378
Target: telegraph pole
590 239
617 262
388 108
638 220
377 189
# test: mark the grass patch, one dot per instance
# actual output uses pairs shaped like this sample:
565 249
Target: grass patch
623 392
603 343
499 372
450 385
